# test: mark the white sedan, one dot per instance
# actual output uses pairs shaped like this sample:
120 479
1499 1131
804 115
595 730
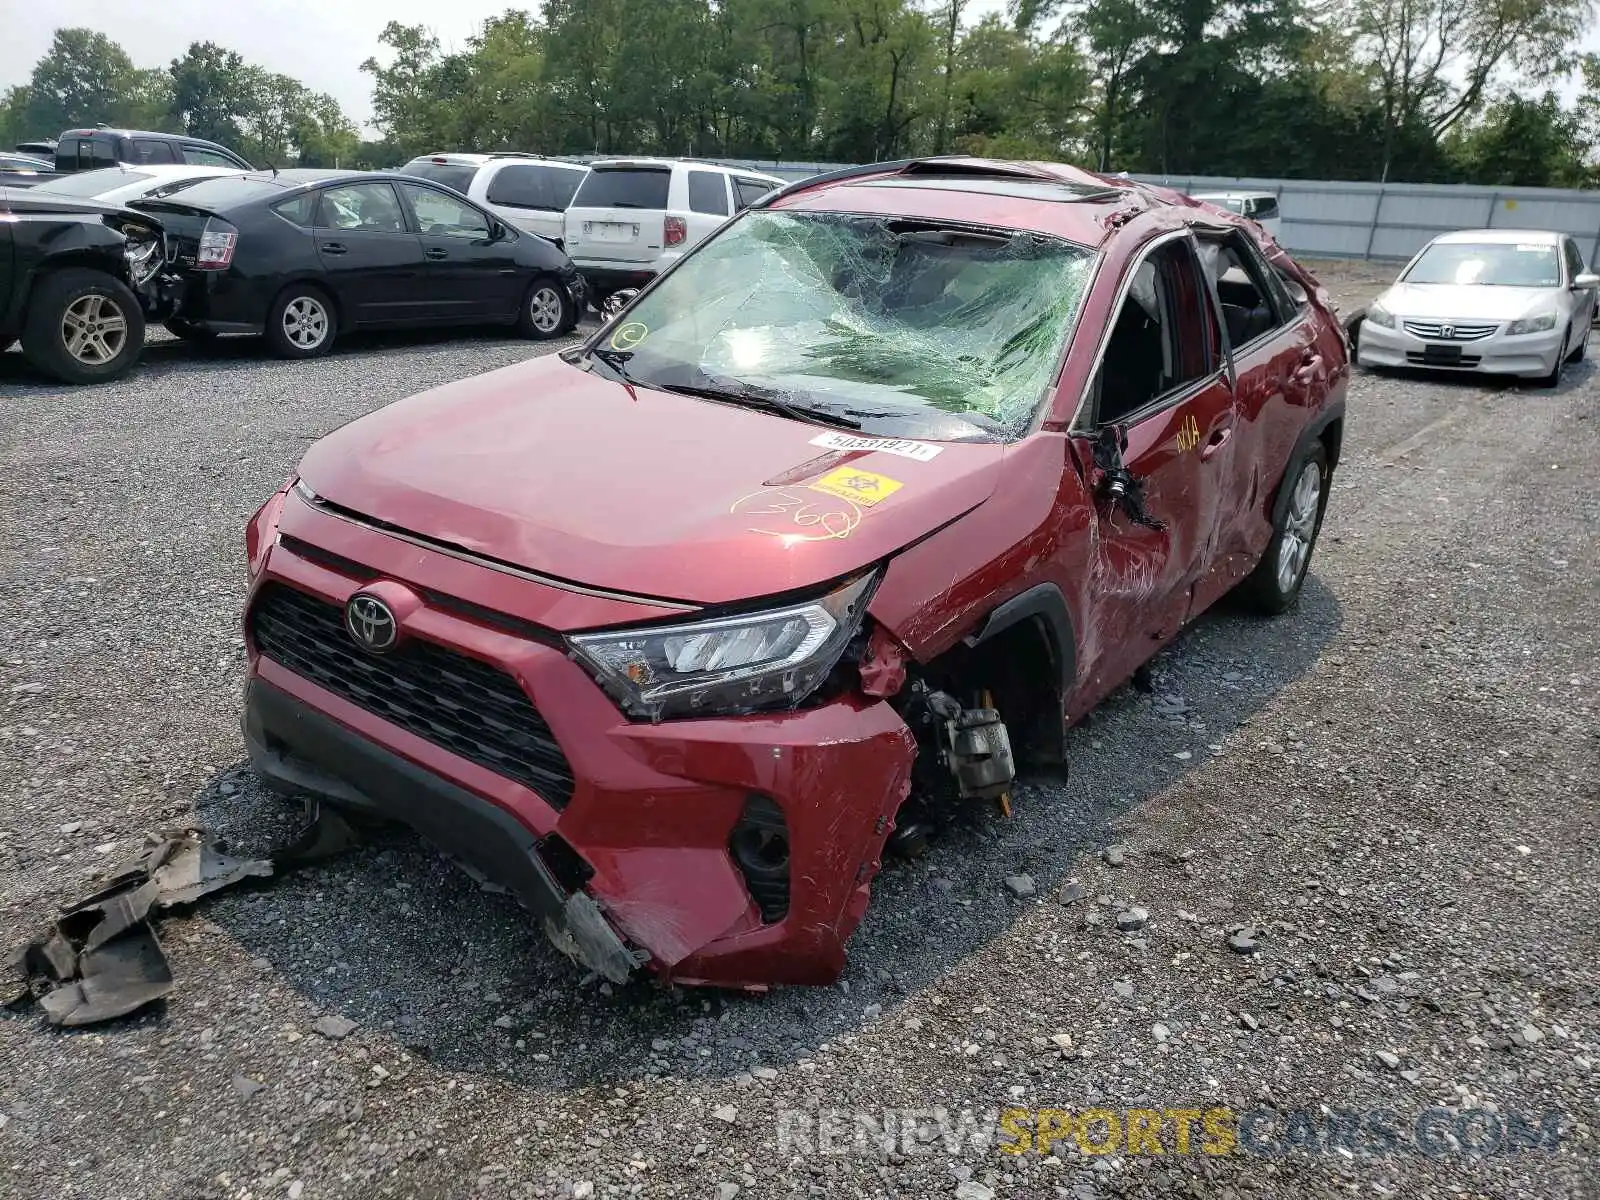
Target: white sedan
1500 301
118 185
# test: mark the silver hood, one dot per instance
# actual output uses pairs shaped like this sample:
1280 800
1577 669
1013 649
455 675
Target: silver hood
1455 301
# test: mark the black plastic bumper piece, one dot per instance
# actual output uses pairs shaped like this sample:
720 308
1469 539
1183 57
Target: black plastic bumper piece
296 750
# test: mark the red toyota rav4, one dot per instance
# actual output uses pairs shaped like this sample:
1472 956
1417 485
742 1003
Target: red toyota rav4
864 502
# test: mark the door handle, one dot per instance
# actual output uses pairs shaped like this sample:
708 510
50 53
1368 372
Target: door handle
435 253
1310 363
1217 440
333 247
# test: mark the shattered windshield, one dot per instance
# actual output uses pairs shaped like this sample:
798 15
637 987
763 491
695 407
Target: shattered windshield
901 327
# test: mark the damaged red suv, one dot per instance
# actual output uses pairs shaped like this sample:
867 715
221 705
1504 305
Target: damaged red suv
864 502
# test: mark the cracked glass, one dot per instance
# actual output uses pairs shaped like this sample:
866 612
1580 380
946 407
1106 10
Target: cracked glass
903 327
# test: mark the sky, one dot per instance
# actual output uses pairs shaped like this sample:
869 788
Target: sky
322 43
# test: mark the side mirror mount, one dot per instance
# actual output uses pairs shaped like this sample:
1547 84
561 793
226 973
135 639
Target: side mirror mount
1585 281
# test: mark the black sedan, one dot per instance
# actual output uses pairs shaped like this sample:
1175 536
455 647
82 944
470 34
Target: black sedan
302 255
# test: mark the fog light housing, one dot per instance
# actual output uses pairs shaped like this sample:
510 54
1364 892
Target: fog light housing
759 845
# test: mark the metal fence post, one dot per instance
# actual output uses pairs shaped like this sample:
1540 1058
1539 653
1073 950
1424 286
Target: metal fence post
1494 205
1377 212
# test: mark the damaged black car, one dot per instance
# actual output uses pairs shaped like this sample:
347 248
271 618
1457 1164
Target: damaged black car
78 281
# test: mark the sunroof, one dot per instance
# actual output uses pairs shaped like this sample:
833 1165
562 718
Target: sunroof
1019 187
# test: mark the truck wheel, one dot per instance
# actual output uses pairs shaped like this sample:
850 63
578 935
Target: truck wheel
1275 583
83 326
302 322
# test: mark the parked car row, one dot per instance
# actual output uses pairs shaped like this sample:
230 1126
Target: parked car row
296 256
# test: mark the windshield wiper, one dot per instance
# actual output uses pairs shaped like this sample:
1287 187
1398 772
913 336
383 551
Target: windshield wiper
615 361
735 391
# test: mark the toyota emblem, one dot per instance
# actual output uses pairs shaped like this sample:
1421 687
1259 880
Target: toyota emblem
371 622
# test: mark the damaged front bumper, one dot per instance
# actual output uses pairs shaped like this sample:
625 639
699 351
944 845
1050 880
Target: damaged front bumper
326 756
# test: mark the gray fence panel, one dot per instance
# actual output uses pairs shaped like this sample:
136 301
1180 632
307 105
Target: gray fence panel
1339 219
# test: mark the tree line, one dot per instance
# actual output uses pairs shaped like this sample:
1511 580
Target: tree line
1403 90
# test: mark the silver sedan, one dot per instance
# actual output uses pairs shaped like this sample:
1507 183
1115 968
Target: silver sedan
1499 301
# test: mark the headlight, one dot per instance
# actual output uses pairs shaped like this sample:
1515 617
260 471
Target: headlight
1377 314
1533 324
725 665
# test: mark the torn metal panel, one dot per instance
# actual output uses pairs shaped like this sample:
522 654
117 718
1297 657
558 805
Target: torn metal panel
114 980
101 959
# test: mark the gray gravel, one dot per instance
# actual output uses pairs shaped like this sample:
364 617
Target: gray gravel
1390 795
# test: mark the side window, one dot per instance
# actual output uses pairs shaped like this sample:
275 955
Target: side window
300 211
749 191
97 152
361 207
708 193
1574 260
149 150
1161 341
444 215
1264 209
199 156
548 189
1253 302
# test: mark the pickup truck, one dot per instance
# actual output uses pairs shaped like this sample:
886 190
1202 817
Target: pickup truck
78 280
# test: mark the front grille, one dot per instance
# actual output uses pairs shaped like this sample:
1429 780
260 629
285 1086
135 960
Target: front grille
1435 331
1423 358
458 703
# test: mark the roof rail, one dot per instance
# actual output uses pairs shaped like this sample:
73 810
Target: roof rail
513 154
883 168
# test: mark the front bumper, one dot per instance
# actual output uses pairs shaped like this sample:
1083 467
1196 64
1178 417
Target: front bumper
645 836
1528 354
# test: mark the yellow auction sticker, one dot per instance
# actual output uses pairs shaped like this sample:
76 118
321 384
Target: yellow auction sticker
863 487
630 335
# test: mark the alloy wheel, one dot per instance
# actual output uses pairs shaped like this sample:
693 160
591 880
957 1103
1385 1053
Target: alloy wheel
94 329
544 309
1299 526
305 322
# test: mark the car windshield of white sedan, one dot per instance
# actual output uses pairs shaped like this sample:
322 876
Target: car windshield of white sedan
900 327
1488 264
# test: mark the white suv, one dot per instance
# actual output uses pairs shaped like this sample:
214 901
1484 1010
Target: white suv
634 217
527 191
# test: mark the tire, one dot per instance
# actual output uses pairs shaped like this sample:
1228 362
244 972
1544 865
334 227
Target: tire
179 328
547 310
1275 583
61 308
302 322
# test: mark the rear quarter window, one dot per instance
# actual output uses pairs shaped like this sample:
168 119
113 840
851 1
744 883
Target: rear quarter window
708 193
624 187
457 176
300 210
751 190
548 189
199 156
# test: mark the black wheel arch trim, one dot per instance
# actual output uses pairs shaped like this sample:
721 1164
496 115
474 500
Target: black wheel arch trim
1045 602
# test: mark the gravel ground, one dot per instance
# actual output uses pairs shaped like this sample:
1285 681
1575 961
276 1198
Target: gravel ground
1393 788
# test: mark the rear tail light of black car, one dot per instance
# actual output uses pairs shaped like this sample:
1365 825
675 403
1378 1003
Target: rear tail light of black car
675 232
217 242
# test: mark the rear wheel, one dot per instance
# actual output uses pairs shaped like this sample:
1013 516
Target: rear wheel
1275 583
83 327
302 322
547 311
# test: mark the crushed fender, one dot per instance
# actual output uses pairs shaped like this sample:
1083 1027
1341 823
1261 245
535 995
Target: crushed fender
101 959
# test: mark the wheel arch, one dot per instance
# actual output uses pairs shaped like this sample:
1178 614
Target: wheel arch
1038 614
1326 428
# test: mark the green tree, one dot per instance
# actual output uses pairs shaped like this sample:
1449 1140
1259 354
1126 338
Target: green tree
1525 142
82 79
210 88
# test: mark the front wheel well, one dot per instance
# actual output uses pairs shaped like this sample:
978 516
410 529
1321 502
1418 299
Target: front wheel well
1332 438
